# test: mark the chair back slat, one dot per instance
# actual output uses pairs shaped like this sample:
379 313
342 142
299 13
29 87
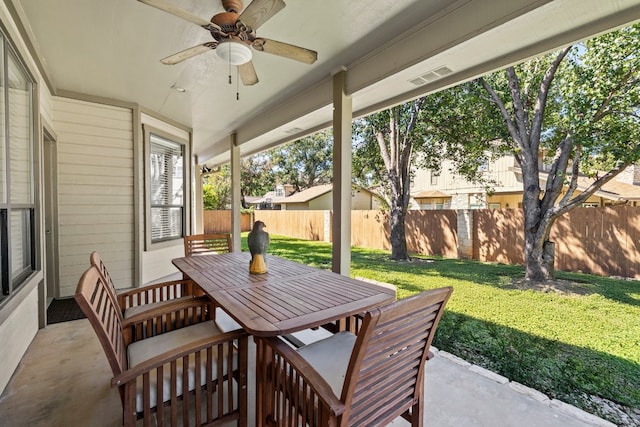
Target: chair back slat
96 259
207 243
387 364
99 305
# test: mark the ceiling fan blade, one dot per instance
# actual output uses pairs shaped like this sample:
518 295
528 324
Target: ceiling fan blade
188 53
248 74
285 50
259 11
181 13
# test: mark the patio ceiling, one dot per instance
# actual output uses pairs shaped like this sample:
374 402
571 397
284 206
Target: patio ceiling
111 49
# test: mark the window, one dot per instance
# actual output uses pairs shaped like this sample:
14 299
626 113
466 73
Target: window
17 192
166 188
434 178
476 201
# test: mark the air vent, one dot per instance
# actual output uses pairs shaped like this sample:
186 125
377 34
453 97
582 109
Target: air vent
293 130
431 76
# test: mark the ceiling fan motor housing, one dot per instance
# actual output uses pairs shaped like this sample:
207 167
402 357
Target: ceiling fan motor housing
226 21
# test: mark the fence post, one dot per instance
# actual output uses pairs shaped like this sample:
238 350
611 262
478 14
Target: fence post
465 233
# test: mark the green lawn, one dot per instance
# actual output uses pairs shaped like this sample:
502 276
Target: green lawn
568 345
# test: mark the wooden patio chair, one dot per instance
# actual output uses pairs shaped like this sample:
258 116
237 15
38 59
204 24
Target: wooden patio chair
163 306
195 374
369 379
212 243
207 243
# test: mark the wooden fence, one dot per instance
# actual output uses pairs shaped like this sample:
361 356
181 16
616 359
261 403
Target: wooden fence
432 232
307 225
220 221
602 241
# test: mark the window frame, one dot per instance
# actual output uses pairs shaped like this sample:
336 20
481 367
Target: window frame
150 244
12 280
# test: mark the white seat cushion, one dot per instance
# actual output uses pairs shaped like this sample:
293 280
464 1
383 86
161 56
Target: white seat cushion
226 322
146 349
132 311
330 358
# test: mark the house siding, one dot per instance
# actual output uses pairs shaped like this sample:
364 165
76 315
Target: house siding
95 189
506 183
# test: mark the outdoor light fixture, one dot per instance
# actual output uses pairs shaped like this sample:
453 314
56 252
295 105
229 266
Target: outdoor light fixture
234 52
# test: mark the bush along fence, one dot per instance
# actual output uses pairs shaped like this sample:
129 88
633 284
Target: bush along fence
603 241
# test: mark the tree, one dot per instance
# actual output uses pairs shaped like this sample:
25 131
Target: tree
390 136
389 144
580 107
306 162
216 189
256 176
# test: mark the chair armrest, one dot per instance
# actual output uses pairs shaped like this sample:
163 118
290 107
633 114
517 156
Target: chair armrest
175 354
157 292
309 375
178 306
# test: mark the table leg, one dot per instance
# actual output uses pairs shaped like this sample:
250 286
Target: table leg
264 359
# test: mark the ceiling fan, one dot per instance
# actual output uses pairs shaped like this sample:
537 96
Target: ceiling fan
234 34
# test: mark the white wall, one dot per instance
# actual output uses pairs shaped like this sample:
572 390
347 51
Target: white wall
17 332
95 190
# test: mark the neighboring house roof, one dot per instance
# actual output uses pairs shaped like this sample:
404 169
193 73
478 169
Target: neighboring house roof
252 199
308 194
270 196
433 194
612 190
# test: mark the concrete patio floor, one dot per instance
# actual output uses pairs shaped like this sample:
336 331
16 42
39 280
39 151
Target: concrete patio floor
64 380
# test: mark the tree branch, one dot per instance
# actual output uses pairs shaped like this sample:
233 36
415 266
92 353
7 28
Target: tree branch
543 93
505 114
588 192
600 113
573 184
519 109
556 176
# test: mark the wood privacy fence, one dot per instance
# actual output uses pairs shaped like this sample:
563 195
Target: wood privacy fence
603 241
220 221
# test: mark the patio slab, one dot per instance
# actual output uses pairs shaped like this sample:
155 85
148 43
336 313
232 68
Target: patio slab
63 380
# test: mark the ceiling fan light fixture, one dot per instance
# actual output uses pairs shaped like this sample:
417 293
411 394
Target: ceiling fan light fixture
234 53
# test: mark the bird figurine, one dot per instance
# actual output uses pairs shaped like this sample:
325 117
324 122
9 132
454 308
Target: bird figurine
258 241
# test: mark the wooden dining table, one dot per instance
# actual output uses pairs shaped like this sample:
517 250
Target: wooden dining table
288 298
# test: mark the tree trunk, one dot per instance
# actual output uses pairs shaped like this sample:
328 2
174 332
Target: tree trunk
539 252
539 260
398 234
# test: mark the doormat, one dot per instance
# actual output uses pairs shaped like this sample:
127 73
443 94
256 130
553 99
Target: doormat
63 310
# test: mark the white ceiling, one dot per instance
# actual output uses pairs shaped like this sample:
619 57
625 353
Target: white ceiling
112 49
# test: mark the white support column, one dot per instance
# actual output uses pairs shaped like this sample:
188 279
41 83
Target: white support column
198 203
236 204
342 116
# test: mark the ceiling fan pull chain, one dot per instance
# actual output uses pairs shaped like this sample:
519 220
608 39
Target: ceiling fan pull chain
229 45
237 85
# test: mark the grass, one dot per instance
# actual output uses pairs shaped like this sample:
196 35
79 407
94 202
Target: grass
569 345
